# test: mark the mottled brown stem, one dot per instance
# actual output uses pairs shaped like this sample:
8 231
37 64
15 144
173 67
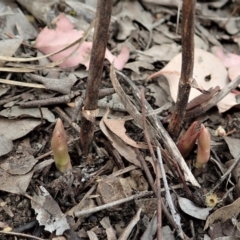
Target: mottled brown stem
188 11
158 173
100 38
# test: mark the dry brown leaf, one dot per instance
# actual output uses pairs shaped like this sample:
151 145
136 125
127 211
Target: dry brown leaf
124 150
49 213
6 145
14 129
117 127
233 145
208 72
224 213
16 112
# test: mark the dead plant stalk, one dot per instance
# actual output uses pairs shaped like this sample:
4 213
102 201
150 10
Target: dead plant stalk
188 10
100 38
158 177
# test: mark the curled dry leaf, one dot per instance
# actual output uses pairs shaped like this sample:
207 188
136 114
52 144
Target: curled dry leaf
51 40
123 149
49 213
117 127
224 213
191 209
208 73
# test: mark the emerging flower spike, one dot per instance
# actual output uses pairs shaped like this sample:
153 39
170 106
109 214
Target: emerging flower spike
60 148
204 147
187 141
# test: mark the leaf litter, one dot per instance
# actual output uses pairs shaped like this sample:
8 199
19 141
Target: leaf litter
144 42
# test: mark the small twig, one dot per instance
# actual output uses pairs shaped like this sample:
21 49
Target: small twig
23 42
180 175
113 204
79 100
188 12
151 182
100 38
21 235
192 229
156 130
175 215
50 101
2 102
26 226
126 232
202 98
158 178
145 168
225 175
63 115
50 152
197 111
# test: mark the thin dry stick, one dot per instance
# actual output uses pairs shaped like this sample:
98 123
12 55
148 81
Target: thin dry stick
151 182
113 204
126 232
158 178
224 176
197 111
156 130
188 11
21 235
50 101
63 115
175 215
100 38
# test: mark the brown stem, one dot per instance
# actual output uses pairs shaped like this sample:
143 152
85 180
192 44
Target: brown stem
188 11
158 177
100 38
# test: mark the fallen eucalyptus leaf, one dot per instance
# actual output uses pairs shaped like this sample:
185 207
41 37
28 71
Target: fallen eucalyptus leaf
49 213
208 73
191 209
6 145
224 213
17 128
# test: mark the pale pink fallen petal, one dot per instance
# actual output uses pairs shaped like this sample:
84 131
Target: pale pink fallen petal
52 40
121 59
234 72
58 37
228 59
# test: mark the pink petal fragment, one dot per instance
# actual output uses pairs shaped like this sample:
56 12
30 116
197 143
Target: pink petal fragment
228 59
234 72
52 40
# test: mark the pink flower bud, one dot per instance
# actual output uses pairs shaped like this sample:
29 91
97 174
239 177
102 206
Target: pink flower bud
187 141
60 148
204 147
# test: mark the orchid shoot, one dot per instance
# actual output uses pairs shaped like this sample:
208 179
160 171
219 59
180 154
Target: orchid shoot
60 148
